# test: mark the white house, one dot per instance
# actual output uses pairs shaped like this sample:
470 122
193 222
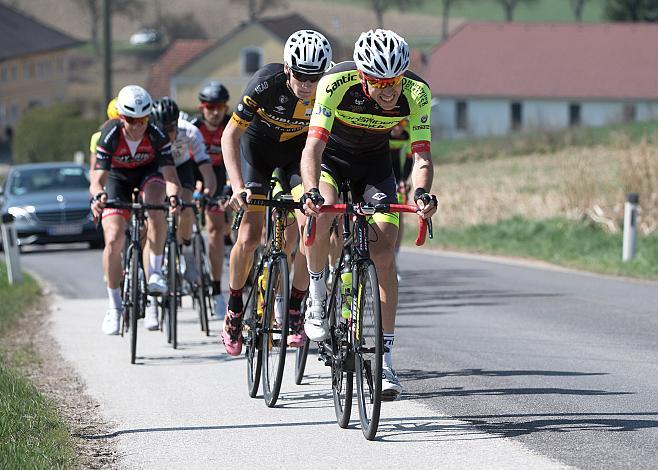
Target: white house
494 78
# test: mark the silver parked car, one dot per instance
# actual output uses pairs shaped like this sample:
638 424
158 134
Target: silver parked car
50 203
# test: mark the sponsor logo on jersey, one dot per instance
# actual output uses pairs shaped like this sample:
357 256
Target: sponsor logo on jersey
279 109
139 157
261 87
319 109
359 102
249 101
240 107
420 128
379 196
283 99
423 119
340 81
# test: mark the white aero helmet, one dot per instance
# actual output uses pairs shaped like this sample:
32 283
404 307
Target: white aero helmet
307 51
381 54
134 101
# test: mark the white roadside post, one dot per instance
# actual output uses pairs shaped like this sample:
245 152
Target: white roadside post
630 226
79 157
10 247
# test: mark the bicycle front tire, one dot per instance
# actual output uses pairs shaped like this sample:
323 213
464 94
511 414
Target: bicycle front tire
275 334
134 302
368 344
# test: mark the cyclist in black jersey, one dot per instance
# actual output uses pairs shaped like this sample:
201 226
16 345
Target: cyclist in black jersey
357 105
268 130
213 104
132 153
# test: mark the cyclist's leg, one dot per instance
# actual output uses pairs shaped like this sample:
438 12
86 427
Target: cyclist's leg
316 324
216 228
114 226
156 233
382 252
242 255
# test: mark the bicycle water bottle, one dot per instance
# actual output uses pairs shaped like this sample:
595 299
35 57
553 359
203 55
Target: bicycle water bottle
346 293
262 279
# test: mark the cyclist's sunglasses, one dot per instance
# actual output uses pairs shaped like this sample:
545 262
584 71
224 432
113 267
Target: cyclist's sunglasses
381 82
134 120
214 106
307 77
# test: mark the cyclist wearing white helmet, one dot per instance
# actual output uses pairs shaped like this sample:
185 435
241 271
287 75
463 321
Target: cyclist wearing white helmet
268 130
132 153
357 105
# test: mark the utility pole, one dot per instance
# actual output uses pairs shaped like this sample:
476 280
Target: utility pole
107 53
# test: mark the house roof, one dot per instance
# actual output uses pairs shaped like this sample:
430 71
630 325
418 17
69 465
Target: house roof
179 53
543 60
22 35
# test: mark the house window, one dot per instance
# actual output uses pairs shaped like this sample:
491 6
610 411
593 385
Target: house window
252 60
28 70
461 116
629 112
3 74
574 114
517 115
14 72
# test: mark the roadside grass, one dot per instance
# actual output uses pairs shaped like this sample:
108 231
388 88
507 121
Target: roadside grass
32 435
560 241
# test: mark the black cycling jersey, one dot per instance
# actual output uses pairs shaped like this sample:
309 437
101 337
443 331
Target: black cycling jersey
269 108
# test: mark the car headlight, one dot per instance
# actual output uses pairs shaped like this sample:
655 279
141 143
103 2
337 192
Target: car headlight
21 212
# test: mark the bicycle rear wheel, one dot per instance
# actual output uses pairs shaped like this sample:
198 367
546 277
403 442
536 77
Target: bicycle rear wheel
368 342
275 331
202 289
301 354
342 359
135 302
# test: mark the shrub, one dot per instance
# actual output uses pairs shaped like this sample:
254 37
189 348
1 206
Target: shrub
52 134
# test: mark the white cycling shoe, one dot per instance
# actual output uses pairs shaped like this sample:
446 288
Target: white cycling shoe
151 317
111 321
218 306
316 323
391 387
157 284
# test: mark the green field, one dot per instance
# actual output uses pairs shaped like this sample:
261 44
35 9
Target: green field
486 10
32 435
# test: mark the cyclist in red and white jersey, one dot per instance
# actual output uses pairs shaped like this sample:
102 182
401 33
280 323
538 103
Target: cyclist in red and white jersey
132 153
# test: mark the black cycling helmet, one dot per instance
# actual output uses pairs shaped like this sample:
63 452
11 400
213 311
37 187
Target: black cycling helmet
165 112
213 92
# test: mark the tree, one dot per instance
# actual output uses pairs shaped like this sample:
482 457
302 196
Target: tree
578 6
95 8
510 5
631 10
380 6
256 8
445 16
183 26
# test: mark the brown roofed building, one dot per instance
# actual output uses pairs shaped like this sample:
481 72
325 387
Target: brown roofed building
33 64
234 58
177 54
492 78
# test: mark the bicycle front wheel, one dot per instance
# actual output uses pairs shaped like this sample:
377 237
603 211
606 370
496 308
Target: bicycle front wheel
135 302
301 354
202 290
275 329
368 344
172 297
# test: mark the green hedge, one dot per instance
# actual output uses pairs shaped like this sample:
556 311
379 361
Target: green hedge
52 134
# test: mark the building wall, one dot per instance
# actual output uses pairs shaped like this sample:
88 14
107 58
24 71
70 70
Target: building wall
36 79
493 116
224 63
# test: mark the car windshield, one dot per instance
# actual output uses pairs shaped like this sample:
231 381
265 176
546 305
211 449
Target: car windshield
48 179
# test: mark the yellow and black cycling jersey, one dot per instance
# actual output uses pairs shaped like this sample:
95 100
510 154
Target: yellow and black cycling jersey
353 123
268 107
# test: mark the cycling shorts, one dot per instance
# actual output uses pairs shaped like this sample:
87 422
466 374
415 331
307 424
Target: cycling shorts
375 186
186 174
121 183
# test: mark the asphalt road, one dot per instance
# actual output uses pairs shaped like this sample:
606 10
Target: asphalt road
504 365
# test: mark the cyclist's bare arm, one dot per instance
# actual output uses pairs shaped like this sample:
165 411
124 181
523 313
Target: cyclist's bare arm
310 168
209 180
231 152
172 183
98 180
422 176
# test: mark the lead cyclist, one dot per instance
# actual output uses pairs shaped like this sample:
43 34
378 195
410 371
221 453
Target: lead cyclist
357 104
